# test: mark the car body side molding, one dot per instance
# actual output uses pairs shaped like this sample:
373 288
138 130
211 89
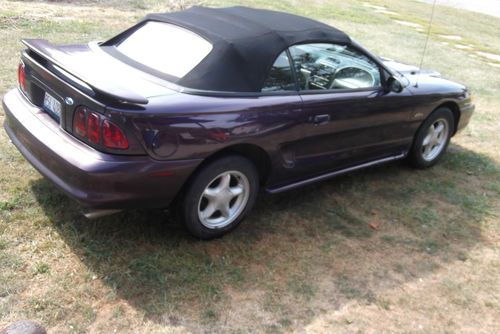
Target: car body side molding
333 174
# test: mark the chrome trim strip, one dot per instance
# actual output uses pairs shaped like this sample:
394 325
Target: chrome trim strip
332 174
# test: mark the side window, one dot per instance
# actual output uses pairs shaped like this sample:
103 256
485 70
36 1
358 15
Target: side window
280 78
332 66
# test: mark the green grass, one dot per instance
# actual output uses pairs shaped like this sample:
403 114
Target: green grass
305 258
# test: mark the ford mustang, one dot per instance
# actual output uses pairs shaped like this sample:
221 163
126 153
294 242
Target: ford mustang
202 108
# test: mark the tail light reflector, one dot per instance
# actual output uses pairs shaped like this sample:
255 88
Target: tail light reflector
21 76
94 128
112 136
79 123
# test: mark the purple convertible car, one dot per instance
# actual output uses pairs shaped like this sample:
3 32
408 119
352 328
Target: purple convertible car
203 107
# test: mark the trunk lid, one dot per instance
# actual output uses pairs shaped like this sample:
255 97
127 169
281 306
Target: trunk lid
97 73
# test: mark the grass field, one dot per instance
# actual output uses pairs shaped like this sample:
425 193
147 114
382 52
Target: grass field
304 261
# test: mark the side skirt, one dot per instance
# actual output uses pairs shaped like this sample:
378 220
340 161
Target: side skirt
333 174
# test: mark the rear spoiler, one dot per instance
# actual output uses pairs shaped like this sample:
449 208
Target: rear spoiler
57 57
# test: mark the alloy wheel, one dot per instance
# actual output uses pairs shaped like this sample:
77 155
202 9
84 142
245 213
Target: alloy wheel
435 139
223 200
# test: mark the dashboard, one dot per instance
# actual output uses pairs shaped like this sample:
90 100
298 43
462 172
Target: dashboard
334 69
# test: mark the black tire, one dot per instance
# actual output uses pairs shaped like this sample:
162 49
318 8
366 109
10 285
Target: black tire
417 157
191 201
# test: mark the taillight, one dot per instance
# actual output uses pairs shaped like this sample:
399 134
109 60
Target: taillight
112 136
79 123
92 126
21 76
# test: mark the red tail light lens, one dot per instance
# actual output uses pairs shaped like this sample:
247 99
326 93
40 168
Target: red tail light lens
94 128
21 76
79 123
113 137
88 125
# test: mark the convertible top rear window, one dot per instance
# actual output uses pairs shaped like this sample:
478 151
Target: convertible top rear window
165 47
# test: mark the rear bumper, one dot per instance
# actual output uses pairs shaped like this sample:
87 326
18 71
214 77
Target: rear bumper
94 179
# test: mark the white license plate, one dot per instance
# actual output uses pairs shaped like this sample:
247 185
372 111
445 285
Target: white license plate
51 105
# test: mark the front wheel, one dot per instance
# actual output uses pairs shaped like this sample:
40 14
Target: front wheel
219 197
432 139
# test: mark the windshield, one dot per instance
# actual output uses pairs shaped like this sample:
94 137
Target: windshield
166 48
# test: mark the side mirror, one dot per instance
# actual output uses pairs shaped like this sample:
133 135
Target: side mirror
394 85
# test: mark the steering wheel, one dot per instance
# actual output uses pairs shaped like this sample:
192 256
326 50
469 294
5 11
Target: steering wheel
352 77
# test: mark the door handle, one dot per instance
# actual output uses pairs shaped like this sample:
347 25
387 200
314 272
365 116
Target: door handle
321 119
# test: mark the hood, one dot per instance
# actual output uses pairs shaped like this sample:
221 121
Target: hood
410 72
422 79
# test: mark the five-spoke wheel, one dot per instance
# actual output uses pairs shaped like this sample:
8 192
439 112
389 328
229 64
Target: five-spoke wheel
219 196
223 199
435 140
432 138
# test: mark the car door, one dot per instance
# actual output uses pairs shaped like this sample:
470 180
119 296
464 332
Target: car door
349 117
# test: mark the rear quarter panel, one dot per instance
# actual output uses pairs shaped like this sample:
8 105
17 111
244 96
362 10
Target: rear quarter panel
184 126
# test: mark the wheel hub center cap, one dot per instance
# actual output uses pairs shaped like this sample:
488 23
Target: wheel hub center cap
224 196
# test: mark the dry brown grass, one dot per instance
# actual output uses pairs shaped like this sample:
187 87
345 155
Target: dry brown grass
304 261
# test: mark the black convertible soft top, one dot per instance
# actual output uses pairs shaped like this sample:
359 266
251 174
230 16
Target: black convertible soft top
246 42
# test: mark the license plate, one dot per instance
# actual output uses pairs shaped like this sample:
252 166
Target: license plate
51 105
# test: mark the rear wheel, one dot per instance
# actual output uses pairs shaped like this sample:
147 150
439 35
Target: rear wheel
219 197
432 139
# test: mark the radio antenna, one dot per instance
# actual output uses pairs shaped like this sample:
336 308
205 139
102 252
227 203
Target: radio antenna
426 42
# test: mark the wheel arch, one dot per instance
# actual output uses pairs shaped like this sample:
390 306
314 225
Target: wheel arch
256 154
455 110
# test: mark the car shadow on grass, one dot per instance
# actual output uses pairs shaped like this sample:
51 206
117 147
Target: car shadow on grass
298 254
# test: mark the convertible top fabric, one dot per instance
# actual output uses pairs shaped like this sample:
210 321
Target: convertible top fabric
246 42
